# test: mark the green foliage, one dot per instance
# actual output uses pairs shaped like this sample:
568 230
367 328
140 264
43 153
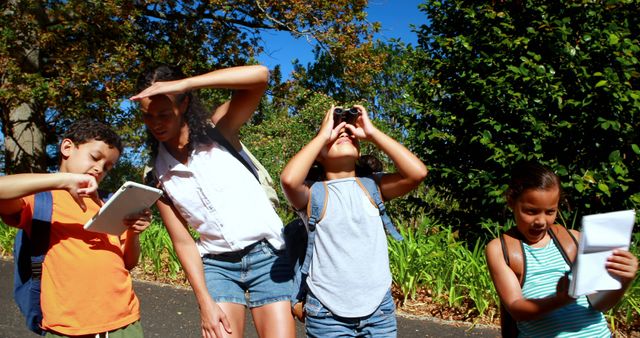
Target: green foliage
432 256
554 81
386 95
7 235
407 266
627 310
69 59
281 133
156 250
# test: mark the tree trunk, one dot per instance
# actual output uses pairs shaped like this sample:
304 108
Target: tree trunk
24 126
24 141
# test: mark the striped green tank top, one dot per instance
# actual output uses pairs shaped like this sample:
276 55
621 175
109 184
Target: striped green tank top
545 266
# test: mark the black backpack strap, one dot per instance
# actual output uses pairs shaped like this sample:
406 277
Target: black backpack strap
565 241
508 326
40 230
215 135
513 252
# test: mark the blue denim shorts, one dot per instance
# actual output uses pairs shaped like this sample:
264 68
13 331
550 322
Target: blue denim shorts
320 322
255 276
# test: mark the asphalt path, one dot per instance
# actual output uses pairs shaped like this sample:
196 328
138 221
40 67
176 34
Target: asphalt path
170 312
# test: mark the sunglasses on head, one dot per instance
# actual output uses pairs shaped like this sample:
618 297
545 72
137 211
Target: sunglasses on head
347 115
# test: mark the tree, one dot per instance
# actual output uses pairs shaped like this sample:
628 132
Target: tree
292 116
65 59
554 81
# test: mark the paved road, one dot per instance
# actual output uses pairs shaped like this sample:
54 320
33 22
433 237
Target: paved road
172 312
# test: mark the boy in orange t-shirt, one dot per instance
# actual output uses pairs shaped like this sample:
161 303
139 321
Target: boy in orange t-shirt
86 285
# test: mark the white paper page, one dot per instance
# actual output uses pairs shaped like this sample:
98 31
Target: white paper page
600 235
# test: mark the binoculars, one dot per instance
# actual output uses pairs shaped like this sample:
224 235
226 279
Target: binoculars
347 115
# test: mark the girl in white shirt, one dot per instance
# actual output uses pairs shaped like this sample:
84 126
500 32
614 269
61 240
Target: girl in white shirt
241 249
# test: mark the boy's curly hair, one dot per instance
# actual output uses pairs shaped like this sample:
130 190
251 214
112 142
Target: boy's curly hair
196 116
86 130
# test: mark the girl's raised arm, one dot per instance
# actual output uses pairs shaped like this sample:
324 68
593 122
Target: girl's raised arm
411 170
247 82
294 173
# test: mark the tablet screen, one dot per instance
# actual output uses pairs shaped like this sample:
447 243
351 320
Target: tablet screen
130 199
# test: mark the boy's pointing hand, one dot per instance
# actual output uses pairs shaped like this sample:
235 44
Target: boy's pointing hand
80 186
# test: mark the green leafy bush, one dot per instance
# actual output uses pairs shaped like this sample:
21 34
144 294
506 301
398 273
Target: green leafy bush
554 81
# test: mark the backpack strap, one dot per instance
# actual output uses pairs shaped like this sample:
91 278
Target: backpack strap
565 241
318 195
215 135
317 205
513 252
372 190
513 249
30 249
29 252
40 231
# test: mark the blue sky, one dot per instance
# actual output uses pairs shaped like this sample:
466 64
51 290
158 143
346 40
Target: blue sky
395 17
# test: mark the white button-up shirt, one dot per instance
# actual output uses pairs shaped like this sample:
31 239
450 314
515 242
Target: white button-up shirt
220 198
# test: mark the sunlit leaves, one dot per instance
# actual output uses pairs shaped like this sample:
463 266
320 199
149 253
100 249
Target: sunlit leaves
552 81
82 58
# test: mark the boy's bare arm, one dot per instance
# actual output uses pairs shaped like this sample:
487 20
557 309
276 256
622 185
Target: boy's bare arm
14 187
136 224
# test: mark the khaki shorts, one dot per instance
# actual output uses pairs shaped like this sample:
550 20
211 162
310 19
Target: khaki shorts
133 330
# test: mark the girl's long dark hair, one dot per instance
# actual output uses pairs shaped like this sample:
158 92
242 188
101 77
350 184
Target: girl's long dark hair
196 117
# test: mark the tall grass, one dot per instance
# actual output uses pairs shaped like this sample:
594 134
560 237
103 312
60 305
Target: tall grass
627 311
431 256
7 234
156 252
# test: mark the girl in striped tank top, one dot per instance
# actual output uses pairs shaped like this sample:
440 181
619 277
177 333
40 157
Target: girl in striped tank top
542 306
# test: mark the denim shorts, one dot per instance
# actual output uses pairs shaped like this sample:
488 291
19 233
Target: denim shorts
255 276
320 322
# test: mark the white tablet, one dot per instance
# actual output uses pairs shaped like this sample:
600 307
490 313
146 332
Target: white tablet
130 199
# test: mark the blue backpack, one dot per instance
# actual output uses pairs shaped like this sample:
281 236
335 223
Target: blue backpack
300 242
28 255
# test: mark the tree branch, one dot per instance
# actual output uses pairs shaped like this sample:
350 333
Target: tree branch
201 15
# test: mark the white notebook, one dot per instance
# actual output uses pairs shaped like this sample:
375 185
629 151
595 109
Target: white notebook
600 235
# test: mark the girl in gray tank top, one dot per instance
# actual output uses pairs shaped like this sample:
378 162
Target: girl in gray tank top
349 279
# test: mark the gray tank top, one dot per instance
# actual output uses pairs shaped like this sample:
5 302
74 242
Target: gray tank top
349 270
